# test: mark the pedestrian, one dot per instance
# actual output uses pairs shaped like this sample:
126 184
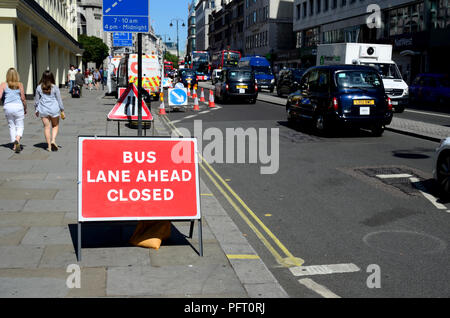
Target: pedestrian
71 77
49 108
90 79
97 78
14 105
79 80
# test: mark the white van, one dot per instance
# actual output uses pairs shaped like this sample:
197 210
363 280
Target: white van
376 55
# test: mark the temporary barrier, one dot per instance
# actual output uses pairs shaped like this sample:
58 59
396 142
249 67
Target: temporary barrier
138 178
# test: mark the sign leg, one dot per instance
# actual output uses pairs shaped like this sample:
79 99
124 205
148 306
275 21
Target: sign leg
79 242
106 128
200 237
191 229
118 128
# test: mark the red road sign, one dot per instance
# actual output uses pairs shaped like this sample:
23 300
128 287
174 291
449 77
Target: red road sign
132 178
126 106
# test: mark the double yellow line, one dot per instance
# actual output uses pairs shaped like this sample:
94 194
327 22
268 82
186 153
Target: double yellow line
275 247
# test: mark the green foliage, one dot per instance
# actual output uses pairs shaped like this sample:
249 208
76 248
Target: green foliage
171 58
94 49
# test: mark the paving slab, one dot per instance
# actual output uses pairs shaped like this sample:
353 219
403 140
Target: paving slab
11 219
40 235
20 256
210 280
11 235
26 193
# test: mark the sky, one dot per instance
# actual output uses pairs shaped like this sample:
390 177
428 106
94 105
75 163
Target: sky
162 12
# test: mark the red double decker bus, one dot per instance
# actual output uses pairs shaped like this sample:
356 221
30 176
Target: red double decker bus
225 58
168 66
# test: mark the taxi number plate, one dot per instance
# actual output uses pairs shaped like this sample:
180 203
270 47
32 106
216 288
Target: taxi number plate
241 91
363 102
364 110
241 86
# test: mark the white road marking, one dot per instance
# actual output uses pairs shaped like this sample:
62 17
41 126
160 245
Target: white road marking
426 113
324 269
394 176
204 112
416 182
190 116
321 290
175 121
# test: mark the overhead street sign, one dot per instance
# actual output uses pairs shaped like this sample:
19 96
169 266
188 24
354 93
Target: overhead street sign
126 15
128 178
177 97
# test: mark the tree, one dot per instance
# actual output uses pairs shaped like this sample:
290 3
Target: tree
94 49
171 58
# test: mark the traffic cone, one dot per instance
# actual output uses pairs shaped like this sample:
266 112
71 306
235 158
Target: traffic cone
202 96
189 90
196 106
162 109
194 93
211 99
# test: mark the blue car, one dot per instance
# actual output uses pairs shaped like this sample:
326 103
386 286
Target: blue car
263 72
433 88
341 95
187 76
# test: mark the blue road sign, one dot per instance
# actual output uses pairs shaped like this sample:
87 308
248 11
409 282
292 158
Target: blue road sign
122 39
178 97
126 15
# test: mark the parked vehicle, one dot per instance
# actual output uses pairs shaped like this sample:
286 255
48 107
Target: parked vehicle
433 88
263 72
441 170
289 80
215 76
151 74
376 55
238 84
187 76
348 95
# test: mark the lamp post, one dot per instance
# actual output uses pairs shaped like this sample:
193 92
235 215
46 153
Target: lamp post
183 25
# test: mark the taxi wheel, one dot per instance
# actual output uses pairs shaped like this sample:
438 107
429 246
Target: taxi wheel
443 173
377 130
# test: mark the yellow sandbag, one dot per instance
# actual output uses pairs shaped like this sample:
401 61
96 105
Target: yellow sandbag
150 233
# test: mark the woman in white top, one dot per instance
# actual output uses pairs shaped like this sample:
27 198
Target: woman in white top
49 107
15 106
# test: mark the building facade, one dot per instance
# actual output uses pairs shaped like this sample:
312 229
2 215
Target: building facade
268 27
191 28
38 35
418 30
226 27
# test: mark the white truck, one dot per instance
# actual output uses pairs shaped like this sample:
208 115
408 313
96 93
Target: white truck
151 73
376 55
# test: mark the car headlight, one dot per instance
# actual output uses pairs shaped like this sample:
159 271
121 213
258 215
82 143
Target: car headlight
256 81
406 91
272 81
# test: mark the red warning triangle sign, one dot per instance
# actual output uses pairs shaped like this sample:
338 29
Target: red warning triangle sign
126 106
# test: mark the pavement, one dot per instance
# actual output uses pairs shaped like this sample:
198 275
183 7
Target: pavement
38 227
401 125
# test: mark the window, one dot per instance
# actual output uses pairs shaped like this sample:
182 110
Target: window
311 7
298 11
325 5
318 6
323 80
334 4
304 9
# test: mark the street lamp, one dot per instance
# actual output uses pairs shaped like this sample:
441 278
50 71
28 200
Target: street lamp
183 25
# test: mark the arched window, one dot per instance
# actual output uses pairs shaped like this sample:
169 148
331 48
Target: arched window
81 24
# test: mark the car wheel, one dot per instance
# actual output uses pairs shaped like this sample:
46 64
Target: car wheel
377 130
399 109
290 119
279 92
320 123
443 173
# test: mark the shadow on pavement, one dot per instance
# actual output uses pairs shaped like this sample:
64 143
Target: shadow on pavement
307 127
117 234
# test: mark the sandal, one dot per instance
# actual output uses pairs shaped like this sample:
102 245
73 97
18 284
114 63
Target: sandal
54 147
17 148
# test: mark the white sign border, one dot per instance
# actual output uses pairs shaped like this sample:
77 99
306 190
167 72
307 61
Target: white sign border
80 178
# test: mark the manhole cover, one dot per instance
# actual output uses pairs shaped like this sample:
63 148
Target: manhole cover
404 242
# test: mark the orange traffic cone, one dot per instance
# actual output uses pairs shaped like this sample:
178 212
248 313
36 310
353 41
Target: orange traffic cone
202 96
189 90
194 94
162 109
196 106
211 99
